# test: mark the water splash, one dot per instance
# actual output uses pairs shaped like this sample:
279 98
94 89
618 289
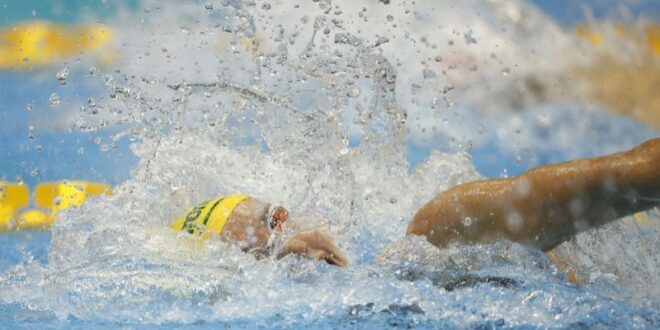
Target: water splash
312 113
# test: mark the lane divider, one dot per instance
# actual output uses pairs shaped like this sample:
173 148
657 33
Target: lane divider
12 198
598 35
49 199
40 43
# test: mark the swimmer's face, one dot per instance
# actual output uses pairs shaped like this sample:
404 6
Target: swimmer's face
279 217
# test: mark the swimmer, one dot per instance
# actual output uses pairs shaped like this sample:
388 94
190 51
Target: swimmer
541 208
256 226
547 205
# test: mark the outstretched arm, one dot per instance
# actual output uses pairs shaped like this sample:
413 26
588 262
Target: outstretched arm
547 205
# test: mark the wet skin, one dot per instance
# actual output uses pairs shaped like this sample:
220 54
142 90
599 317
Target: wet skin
541 208
248 225
546 205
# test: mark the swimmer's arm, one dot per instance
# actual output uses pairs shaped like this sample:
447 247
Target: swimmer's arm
314 244
547 205
572 197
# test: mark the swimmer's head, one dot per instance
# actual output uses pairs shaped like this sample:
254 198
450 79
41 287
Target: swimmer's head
277 216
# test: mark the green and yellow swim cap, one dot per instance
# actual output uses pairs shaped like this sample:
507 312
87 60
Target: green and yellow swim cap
210 217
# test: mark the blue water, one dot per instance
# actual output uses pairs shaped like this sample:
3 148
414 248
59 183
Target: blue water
54 149
61 11
59 151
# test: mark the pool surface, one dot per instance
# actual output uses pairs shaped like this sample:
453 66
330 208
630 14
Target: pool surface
351 113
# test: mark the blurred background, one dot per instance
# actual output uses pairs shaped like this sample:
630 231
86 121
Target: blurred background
41 89
596 58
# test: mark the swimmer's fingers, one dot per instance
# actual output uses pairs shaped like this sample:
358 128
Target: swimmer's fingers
324 255
333 255
336 259
315 245
322 248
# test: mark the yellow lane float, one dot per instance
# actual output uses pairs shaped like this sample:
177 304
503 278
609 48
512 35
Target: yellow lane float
646 37
624 73
58 196
13 197
40 43
49 199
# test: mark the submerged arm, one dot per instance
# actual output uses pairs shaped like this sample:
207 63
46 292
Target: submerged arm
547 205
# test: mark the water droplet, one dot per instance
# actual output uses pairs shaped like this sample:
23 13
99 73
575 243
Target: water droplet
354 92
381 40
30 107
428 74
467 222
63 75
208 6
469 39
506 71
514 222
54 100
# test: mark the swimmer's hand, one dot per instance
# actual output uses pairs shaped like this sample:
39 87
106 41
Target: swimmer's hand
314 244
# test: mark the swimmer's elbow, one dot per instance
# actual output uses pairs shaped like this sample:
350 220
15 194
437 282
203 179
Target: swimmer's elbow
417 227
411 230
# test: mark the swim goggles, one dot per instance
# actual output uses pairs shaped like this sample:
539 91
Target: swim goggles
277 215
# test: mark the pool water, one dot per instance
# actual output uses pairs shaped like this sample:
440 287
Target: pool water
340 111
